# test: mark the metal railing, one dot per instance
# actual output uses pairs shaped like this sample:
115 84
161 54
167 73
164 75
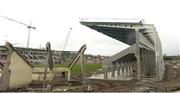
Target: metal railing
134 20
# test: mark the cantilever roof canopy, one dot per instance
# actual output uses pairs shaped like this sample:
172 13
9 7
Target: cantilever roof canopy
125 35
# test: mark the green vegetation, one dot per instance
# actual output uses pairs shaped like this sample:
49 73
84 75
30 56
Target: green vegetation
77 67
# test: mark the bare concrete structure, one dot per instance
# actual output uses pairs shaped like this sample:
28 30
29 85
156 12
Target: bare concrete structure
49 68
79 57
16 72
143 59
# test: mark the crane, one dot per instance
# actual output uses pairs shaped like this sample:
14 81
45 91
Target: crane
67 38
28 26
66 41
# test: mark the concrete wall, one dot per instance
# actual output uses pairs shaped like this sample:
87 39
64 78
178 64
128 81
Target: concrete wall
21 72
159 59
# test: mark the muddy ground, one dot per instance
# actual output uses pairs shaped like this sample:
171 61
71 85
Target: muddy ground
170 83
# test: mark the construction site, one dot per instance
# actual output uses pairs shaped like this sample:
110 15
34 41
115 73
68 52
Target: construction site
139 68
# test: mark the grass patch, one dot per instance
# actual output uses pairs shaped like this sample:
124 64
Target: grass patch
77 67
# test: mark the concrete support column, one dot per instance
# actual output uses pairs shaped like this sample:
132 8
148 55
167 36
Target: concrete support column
138 63
137 55
126 69
108 72
142 55
69 75
118 70
105 70
146 62
112 70
123 70
131 68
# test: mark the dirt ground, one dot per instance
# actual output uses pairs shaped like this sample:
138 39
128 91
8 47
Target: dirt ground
171 80
170 83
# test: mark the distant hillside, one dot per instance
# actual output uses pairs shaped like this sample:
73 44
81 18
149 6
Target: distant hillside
67 56
171 57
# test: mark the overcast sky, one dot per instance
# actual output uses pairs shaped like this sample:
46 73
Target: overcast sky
53 18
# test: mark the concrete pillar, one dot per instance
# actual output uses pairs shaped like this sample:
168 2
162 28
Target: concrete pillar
118 70
142 56
129 67
138 63
112 70
134 69
105 70
69 75
123 70
126 69
146 62
115 74
115 71
137 55
108 72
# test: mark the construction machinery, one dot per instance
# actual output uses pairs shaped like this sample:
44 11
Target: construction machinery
65 44
28 26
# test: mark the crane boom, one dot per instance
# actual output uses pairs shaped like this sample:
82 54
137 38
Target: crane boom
67 38
28 26
13 20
